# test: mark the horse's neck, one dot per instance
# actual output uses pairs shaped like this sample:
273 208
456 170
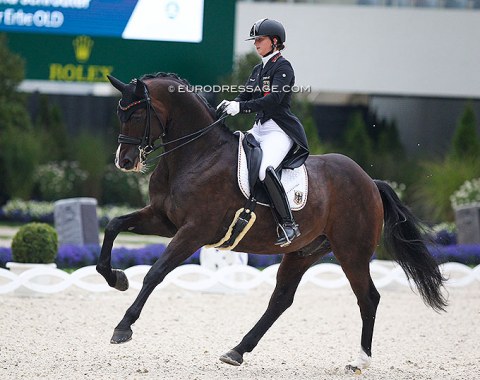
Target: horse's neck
218 141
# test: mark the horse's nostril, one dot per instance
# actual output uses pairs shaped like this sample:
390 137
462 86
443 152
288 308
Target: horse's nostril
126 163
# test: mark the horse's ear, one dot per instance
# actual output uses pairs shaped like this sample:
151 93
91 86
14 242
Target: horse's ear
118 84
140 89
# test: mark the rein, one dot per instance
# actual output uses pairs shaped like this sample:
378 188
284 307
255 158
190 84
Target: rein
194 136
145 146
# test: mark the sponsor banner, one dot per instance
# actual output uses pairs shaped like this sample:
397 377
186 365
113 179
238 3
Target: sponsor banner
155 20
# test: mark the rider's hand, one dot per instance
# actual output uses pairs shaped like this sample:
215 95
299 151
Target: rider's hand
221 108
223 104
232 108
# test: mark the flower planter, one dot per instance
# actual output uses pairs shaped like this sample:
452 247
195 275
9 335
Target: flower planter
467 219
19 268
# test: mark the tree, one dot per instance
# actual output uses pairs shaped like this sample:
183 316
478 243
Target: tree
465 141
52 131
12 104
11 71
442 178
389 159
19 149
89 152
388 142
303 109
358 145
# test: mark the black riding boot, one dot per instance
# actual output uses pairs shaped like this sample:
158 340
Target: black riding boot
278 199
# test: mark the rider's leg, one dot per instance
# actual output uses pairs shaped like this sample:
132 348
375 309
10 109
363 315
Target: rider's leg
275 145
279 200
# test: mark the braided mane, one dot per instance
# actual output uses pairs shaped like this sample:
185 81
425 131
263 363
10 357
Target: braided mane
185 82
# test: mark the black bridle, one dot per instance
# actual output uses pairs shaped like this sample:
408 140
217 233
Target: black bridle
145 144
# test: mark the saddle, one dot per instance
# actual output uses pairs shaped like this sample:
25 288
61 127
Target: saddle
294 181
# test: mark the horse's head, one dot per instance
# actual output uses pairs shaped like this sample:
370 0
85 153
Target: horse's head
139 128
158 106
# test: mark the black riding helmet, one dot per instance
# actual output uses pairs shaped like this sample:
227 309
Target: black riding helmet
267 27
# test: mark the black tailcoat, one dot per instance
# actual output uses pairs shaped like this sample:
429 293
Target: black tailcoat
268 93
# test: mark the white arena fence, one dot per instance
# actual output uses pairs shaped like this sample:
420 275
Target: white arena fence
232 277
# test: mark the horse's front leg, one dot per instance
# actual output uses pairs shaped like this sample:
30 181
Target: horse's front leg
182 246
289 274
143 222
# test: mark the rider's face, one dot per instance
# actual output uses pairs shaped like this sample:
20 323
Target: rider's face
263 45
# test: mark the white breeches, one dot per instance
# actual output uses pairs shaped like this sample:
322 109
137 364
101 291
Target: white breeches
275 144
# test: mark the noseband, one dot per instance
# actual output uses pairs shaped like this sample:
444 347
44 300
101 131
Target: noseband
145 145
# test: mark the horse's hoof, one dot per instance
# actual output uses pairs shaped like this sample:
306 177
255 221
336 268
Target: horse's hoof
352 369
232 357
121 282
121 336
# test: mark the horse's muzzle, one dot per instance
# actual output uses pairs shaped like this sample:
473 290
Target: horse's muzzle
127 161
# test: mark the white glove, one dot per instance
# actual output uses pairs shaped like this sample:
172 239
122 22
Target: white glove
232 108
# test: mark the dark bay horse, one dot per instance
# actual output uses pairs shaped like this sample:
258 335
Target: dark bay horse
194 196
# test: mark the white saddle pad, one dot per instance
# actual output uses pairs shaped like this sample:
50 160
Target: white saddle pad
295 182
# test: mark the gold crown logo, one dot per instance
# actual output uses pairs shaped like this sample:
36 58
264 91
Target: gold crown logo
82 45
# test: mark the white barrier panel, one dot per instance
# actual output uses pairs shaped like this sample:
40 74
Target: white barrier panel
237 277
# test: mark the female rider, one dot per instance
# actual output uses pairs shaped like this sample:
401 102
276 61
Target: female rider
279 132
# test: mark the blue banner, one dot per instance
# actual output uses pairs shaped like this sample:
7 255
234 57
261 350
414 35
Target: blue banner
160 20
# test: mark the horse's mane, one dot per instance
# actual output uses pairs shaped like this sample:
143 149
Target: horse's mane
185 82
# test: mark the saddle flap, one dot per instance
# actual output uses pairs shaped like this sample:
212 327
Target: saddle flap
295 182
253 155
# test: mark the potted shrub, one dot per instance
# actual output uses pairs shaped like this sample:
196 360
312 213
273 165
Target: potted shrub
35 245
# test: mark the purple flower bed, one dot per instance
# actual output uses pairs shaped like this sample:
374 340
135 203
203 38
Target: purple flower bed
468 254
22 217
5 256
445 237
77 256
128 257
73 256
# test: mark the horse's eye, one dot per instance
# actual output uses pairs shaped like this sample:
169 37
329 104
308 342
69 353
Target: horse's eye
136 116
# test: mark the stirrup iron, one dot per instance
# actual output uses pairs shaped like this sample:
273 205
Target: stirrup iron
283 239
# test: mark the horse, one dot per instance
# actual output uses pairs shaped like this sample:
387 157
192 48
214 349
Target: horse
194 196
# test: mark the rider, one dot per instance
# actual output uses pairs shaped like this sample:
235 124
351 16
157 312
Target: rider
279 132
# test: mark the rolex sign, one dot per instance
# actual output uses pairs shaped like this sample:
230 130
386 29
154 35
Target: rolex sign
83 41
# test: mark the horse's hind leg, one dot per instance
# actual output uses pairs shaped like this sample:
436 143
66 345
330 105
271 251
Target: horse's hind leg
289 274
368 298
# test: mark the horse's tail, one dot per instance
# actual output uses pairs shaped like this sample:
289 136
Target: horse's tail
403 241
